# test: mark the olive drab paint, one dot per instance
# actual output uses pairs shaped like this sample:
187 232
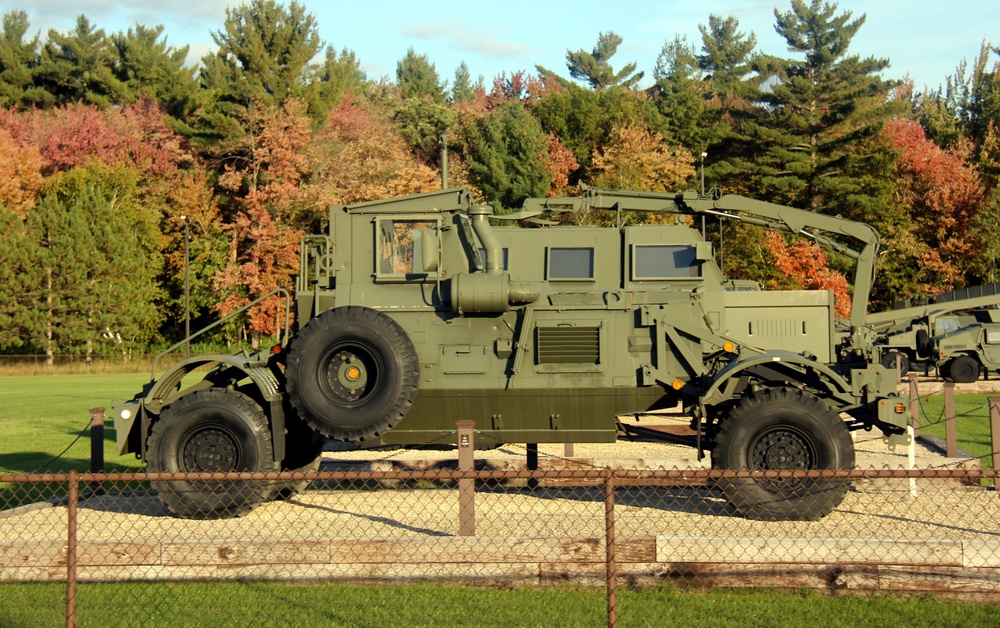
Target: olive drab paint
419 311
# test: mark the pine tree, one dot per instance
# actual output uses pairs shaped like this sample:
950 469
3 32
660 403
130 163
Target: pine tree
18 57
149 67
462 89
682 97
823 106
727 55
263 59
417 77
79 65
338 77
95 283
594 67
19 276
507 152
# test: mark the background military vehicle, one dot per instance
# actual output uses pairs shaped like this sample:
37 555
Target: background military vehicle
961 354
416 312
907 330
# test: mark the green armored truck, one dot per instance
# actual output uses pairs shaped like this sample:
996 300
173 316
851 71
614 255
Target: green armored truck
416 312
913 332
961 354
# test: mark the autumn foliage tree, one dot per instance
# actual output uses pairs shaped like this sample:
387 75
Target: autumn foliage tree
635 158
266 190
360 156
941 194
806 266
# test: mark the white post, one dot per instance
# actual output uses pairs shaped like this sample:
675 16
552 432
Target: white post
911 459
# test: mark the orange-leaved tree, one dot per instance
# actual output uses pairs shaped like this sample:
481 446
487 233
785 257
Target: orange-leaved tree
805 266
267 193
360 156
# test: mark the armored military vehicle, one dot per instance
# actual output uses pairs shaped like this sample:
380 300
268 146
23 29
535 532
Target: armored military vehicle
961 354
418 311
908 329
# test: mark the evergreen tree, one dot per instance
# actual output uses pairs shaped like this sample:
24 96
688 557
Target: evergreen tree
263 61
18 57
823 106
263 56
732 88
595 69
149 67
338 77
79 65
96 285
417 77
727 55
462 89
19 275
507 152
682 97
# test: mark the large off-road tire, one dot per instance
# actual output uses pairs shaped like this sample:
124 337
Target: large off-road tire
889 361
962 370
211 431
783 428
923 344
303 454
352 373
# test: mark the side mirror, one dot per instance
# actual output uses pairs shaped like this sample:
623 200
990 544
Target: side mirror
426 243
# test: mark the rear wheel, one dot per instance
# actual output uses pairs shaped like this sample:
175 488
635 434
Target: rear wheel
778 429
211 431
889 362
303 454
962 370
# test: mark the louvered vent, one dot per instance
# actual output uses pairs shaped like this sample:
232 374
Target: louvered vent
568 345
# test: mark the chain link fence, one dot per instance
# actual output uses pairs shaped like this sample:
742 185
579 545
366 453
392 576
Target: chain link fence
416 516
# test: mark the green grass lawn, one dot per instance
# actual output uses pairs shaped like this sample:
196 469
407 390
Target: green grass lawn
972 423
41 415
329 604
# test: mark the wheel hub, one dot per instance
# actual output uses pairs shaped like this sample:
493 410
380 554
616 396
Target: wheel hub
211 450
780 449
347 375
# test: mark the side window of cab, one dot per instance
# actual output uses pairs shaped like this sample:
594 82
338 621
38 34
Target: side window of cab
406 249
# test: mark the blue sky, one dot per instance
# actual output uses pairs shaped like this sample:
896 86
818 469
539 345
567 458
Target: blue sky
925 39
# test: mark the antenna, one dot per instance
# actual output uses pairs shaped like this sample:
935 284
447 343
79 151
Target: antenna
444 162
703 156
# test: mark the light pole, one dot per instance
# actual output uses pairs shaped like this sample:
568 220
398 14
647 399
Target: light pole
187 292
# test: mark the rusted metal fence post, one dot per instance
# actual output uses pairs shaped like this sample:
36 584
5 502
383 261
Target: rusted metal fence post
96 445
466 487
73 495
568 450
950 433
611 549
994 435
914 406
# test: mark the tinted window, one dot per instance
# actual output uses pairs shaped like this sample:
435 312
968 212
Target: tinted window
571 263
665 261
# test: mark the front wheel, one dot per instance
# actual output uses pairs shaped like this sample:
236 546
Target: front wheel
211 431
780 429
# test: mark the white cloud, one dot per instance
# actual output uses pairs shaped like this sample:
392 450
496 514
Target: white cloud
456 34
